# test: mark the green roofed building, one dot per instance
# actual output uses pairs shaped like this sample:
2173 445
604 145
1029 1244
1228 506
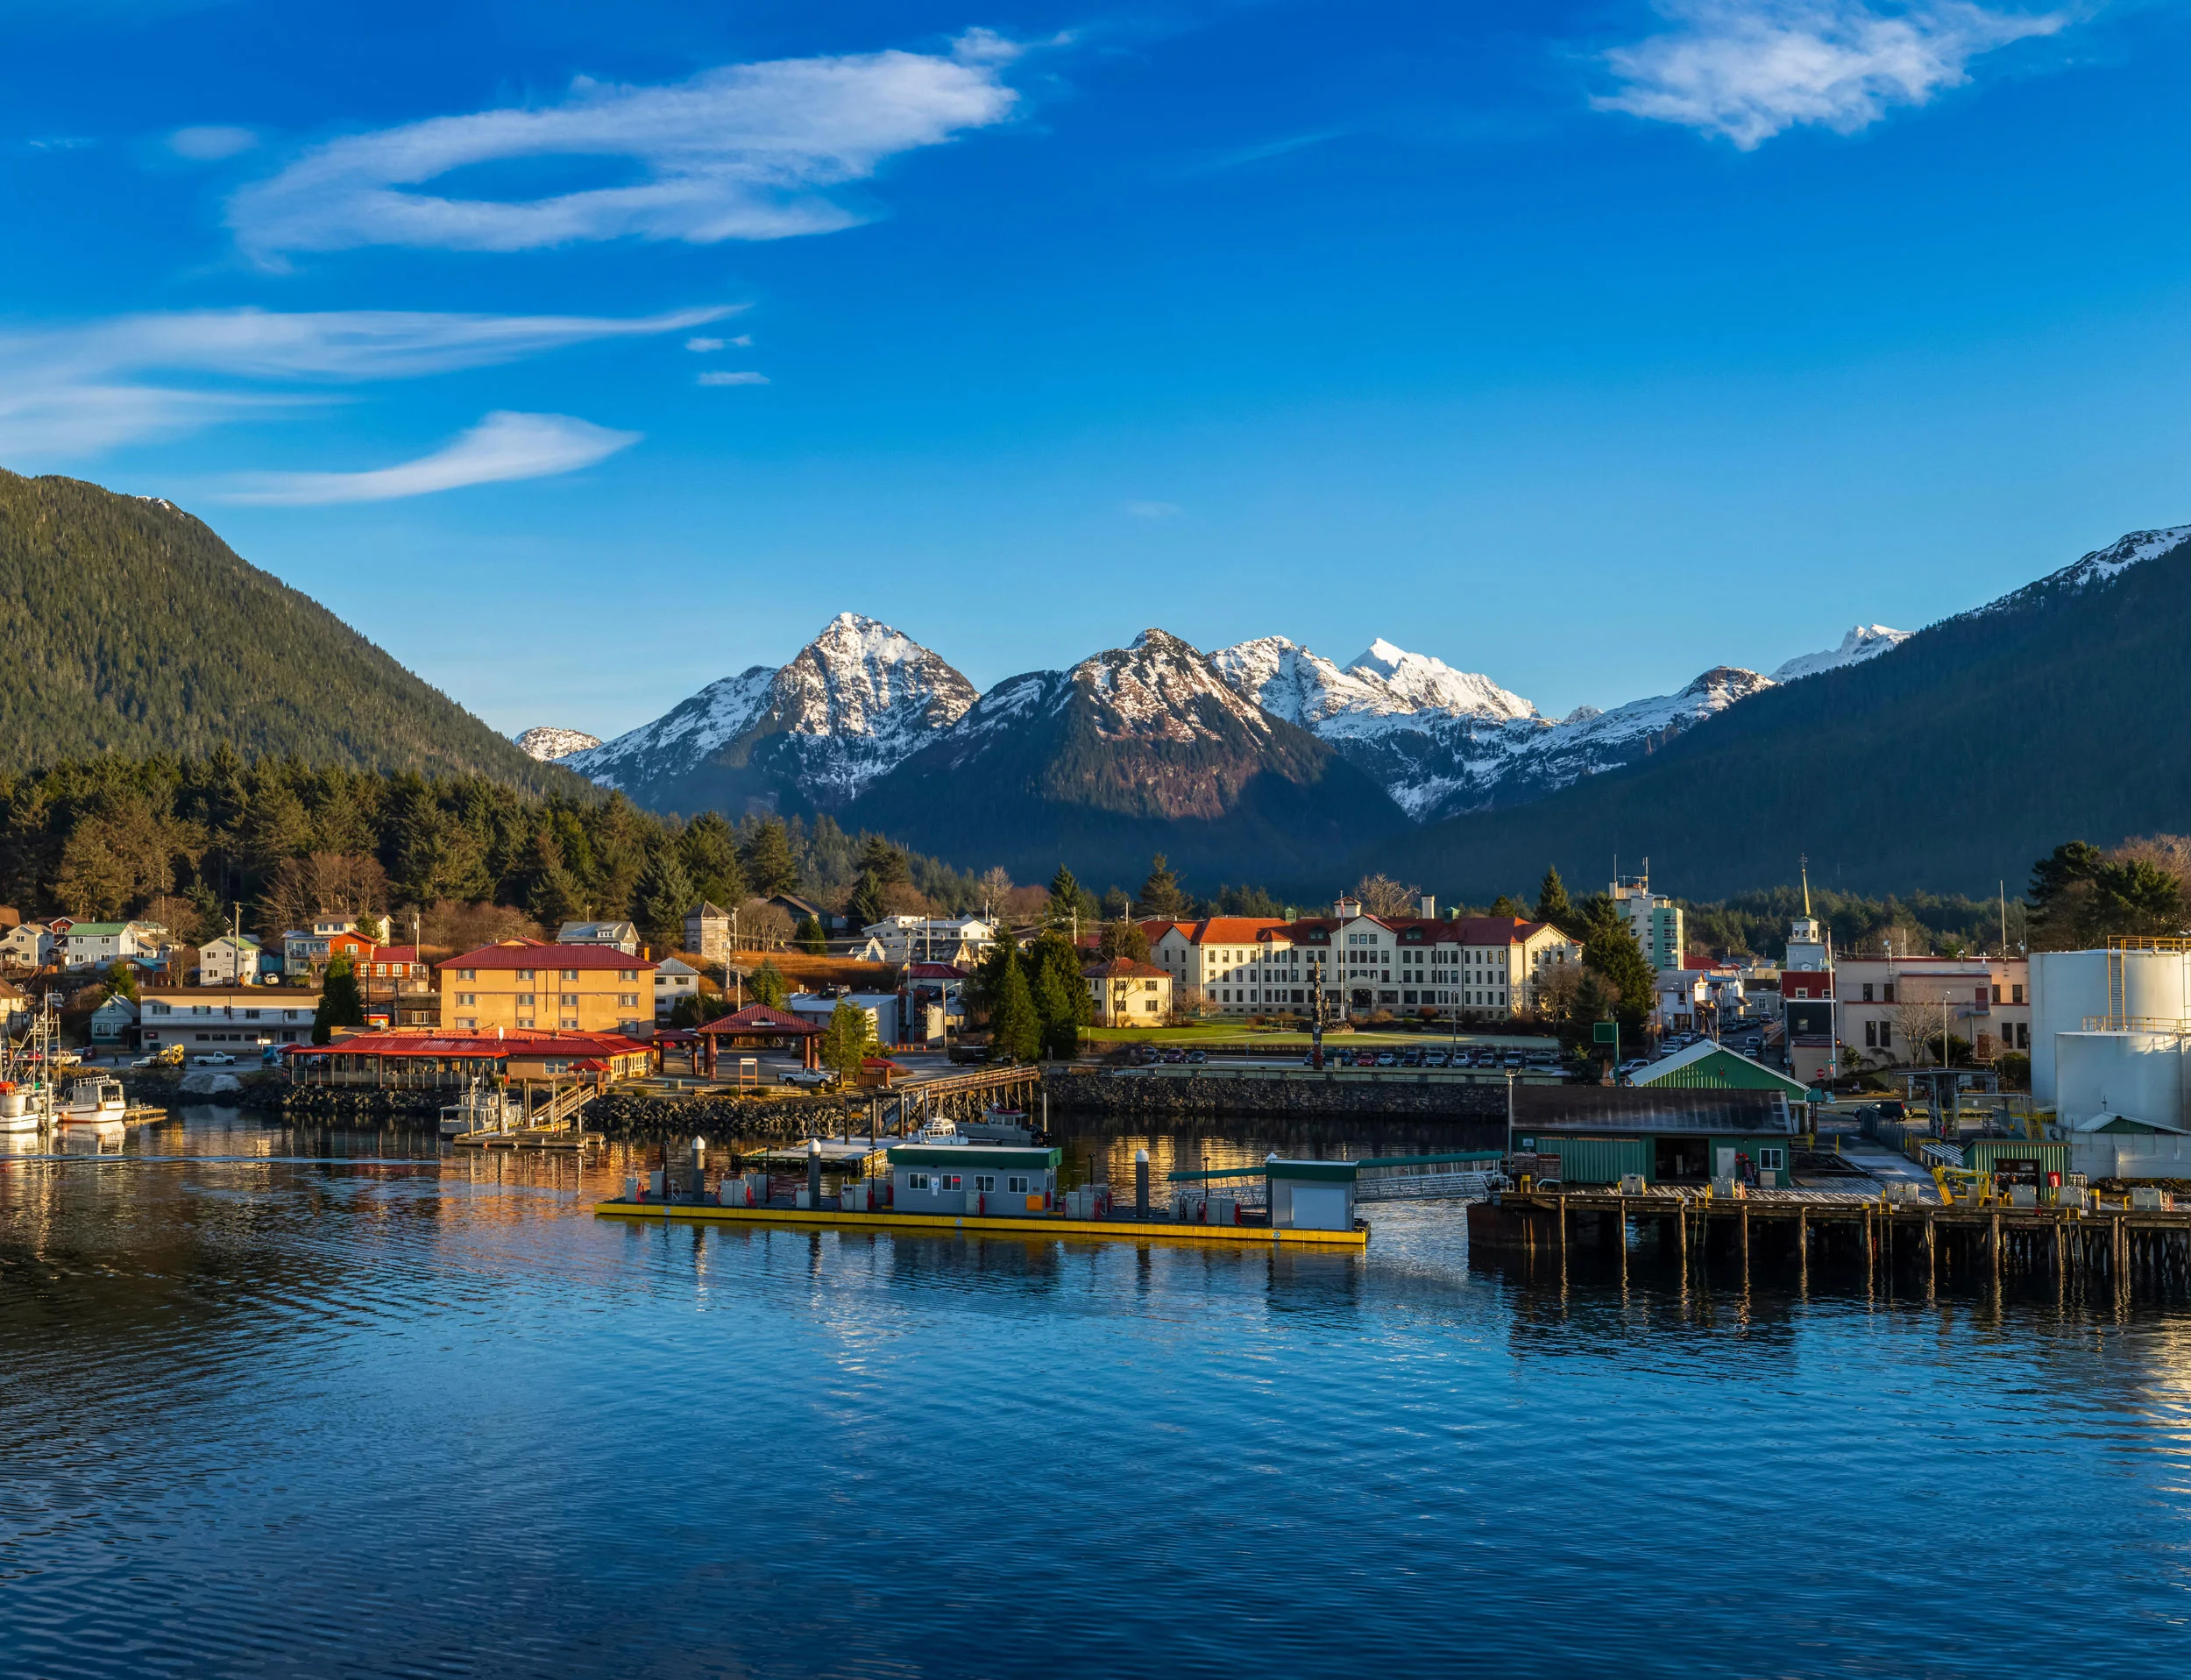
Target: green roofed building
1709 1067
972 1179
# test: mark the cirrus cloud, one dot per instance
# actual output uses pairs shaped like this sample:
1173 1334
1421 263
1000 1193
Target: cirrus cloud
501 447
745 152
1748 69
209 145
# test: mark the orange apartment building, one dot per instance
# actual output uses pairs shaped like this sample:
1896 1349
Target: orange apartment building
530 984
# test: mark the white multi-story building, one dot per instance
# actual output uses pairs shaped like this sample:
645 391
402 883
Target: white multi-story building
27 945
1654 919
674 982
232 960
959 940
99 945
243 1020
624 936
1477 967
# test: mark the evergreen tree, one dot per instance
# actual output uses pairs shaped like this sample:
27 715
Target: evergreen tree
1512 908
1553 904
1613 954
848 1040
1060 998
1015 1028
711 858
340 1004
810 937
865 906
884 861
663 894
1068 901
1116 906
766 857
1160 896
768 985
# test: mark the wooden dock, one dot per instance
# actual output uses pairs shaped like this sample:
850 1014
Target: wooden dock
1890 1243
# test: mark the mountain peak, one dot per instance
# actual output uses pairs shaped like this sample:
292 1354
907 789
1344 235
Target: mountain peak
1863 641
547 743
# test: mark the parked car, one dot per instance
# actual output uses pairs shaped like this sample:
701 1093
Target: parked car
1198 1055
1412 1058
213 1058
1365 1059
1386 1059
1513 1059
1175 1056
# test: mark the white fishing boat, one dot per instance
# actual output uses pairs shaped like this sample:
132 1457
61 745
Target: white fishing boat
996 1126
94 1105
481 1108
26 1082
18 1116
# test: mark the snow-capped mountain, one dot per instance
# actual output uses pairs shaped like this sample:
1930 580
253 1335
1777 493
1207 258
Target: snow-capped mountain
2101 566
850 706
1290 681
1141 748
1863 641
549 745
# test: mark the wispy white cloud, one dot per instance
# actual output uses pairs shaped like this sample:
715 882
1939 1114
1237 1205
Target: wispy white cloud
1748 69
1154 509
208 145
76 390
703 345
741 377
501 447
746 151
1262 151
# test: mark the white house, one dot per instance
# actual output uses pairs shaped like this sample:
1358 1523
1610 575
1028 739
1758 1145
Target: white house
232 960
674 982
27 945
957 940
97 944
881 1007
623 935
242 1020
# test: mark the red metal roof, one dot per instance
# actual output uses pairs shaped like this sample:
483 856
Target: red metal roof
759 1017
534 956
431 1041
1123 967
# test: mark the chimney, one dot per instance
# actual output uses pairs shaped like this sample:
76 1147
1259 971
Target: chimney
1427 907
1345 910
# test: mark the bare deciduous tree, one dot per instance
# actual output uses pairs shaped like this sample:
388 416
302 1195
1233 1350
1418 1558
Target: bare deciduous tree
1382 895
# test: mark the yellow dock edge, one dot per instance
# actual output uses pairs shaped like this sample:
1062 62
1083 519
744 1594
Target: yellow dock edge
1116 1230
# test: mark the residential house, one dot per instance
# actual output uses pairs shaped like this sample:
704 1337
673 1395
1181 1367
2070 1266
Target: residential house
569 987
392 968
27 945
621 936
1124 992
1887 1006
880 1008
97 944
240 1019
674 982
708 931
799 909
933 1000
113 1023
959 940
14 1002
309 951
232 960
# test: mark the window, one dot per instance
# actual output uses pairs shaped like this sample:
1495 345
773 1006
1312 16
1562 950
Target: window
947 1182
1886 992
1018 1186
466 1021
1868 991
570 1000
627 973
524 1000
1886 1035
626 1000
465 1000
985 1182
1871 1034
467 973
524 974
1771 1158
916 1182
2015 993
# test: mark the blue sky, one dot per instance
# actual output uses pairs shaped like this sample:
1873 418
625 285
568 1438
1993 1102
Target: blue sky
580 354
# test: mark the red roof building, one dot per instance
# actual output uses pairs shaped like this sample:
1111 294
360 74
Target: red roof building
410 1058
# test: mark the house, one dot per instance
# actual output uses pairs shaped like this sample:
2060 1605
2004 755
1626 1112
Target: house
708 931
1123 992
113 1023
1706 1065
882 1009
309 950
523 984
394 966
959 940
232 960
623 936
241 1019
95 944
933 993
799 909
14 1002
1483 967
27 945
674 982
1887 1006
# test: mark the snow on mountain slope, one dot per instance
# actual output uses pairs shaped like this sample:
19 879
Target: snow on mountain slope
2101 566
1291 682
852 704
548 744
1863 641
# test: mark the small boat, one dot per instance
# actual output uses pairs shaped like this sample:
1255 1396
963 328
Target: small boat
996 1126
480 1108
94 1105
18 1117
939 1129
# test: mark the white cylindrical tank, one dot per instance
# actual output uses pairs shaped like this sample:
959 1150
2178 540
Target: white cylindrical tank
2153 985
2139 1075
2067 987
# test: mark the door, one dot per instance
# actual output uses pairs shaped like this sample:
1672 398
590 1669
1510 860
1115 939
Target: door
1319 1206
1723 1162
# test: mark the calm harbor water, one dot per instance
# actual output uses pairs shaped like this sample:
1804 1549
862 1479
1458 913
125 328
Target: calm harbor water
292 1402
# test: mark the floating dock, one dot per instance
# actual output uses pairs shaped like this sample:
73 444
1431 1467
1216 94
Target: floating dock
1121 1229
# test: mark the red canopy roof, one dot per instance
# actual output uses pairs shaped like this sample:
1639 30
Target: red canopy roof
759 1017
429 1041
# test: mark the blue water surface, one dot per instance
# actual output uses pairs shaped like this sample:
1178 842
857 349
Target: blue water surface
266 1411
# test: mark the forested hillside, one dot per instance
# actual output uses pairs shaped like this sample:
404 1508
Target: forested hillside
126 626
184 840
1944 766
